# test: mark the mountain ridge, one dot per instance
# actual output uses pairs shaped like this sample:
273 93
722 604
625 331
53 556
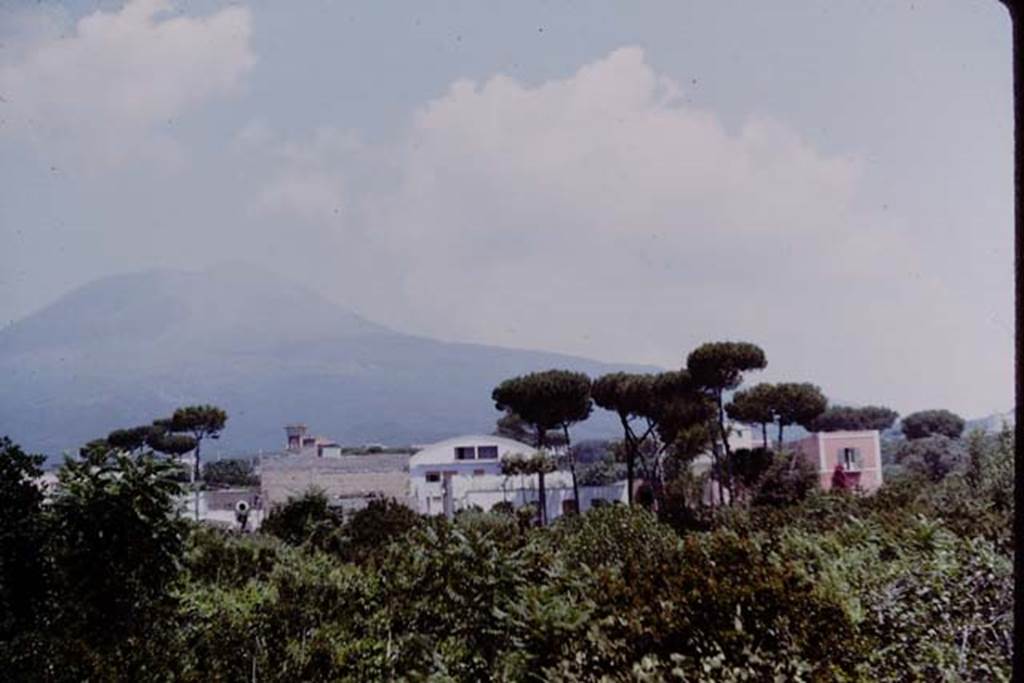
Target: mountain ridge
128 348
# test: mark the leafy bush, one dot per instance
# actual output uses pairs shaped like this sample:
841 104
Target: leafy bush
23 565
504 508
372 528
601 472
215 556
113 551
914 582
787 479
305 518
933 456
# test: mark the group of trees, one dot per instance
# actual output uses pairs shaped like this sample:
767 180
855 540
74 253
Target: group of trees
108 582
666 418
84 574
669 418
183 432
103 579
933 445
847 418
547 401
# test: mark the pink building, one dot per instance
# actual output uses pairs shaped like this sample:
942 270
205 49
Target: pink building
859 453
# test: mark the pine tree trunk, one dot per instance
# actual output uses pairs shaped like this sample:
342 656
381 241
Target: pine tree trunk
195 478
541 491
543 499
572 469
725 444
630 458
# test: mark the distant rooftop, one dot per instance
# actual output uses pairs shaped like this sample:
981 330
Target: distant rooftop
371 462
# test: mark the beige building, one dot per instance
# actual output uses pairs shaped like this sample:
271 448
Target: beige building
349 481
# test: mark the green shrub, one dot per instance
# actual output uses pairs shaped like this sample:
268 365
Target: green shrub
933 456
306 518
787 479
218 557
912 583
370 529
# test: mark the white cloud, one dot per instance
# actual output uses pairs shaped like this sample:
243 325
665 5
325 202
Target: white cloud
313 176
598 214
110 89
604 189
310 195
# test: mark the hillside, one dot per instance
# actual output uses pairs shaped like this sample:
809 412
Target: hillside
128 348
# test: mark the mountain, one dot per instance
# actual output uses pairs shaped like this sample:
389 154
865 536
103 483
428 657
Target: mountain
993 423
126 349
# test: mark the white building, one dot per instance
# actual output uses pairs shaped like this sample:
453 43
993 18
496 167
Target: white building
465 472
740 436
349 481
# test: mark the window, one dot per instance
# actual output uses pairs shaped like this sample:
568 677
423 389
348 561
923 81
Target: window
433 476
465 453
487 452
849 458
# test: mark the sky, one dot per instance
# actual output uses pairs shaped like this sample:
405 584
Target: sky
622 181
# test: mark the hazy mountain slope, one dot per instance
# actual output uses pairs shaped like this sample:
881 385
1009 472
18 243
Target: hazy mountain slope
992 423
128 348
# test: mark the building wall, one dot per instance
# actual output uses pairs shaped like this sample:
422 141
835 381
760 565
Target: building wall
330 451
823 450
345 479
486 491
218 507
480 483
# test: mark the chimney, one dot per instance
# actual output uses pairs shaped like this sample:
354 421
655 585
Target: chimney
295 433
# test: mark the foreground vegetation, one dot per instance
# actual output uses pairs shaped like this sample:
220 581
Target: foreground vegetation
914 583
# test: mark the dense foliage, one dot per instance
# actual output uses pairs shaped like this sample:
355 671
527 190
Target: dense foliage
230 472
927 423
784 404
848 418
913 583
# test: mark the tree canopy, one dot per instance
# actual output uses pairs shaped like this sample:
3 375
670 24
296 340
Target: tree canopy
188 426
784 404
680 411
627 394
932 422
554 398
934 456
797 403
630 396
174 445
548 400
848 418
131 439
512 426
719 366
754 406
201 421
